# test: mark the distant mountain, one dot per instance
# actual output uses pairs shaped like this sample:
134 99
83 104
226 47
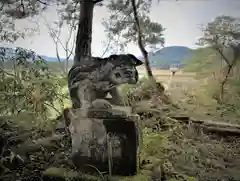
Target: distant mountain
167 56
10 53
54 63
161 59
53 59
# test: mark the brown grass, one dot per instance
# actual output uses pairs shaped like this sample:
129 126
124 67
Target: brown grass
182 79
184 151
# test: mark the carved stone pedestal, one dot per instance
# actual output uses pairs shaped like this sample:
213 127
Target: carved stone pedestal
110 141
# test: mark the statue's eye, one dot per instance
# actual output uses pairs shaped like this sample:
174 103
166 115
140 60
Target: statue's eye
118 75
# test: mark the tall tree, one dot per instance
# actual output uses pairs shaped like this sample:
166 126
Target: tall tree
204 62
223 36
84 33
129 22
140 39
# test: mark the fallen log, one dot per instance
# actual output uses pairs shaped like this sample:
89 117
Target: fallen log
221 131
205 122
186 119
224 129
221 125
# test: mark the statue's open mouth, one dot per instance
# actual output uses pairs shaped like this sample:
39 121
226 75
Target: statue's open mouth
134 77
120 76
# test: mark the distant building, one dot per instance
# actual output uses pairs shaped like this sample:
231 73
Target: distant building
174 68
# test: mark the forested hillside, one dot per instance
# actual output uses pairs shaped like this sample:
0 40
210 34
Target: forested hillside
161 59
167 56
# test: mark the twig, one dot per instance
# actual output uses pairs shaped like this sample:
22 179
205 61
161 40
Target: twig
52 107
54 34
43 2
109 145
1 8
223 56
69 37
4 71
97 171
125 17
230 65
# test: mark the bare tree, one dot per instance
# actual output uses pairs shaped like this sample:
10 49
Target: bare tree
130 21
140 42
223 35
66 45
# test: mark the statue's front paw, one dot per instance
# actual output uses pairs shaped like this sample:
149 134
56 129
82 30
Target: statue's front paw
101 104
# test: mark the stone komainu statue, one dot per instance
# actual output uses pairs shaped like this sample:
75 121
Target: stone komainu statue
100 77
91 78
89 81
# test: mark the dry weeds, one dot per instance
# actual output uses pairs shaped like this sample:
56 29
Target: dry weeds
171 151
184 151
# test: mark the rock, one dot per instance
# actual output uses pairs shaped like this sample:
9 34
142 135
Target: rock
110 144
60 173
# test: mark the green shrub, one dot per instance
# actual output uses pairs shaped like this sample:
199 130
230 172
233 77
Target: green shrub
30 93
143 90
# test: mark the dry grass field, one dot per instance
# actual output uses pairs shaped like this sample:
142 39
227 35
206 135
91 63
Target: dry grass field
186 153
183 80
170 151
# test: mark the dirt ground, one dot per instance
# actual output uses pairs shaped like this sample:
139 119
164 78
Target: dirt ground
187 153
172 151
181 79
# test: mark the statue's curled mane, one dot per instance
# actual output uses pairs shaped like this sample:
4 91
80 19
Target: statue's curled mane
101 76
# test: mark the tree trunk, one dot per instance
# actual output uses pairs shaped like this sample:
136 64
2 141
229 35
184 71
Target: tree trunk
140 43
84 33
230 66
146 60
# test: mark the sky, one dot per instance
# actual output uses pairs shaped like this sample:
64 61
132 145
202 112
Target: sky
182 20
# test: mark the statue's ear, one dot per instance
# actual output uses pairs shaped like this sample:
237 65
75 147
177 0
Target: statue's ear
113 57
135 60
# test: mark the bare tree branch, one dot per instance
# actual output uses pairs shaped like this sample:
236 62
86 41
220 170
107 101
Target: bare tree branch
2 6
121 20
65 46
216 39
223 34
42 2
229 69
